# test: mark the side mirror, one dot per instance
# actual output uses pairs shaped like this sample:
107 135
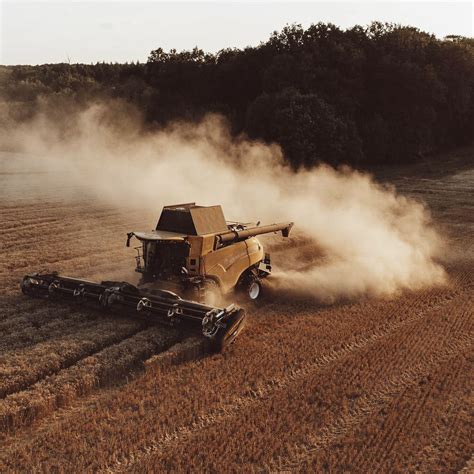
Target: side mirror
129 237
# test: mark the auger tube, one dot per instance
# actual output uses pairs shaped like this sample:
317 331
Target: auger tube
236 235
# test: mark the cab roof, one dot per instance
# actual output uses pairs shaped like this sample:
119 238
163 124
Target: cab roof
190 219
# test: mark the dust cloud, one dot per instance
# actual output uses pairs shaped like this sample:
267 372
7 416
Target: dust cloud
372 241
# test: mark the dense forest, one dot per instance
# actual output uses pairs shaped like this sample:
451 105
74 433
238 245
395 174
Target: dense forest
378 94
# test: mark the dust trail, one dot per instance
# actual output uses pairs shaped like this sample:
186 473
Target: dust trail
374 241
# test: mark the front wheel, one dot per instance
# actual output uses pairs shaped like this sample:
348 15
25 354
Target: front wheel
254 289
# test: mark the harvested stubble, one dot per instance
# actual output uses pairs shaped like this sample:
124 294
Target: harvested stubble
192 348
179 405
422 427
112 363
372 386
336 389
290 390
18 371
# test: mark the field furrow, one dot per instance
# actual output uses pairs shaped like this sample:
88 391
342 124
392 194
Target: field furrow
111 363
17 372
458 343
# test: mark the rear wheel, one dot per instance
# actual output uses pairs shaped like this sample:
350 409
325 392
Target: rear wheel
250 286
254 289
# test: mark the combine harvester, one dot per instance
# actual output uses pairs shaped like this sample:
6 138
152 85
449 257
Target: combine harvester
193 251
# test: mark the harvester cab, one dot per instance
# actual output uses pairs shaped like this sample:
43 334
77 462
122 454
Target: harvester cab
194 250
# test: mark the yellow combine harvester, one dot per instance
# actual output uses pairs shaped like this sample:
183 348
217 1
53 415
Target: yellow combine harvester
194 252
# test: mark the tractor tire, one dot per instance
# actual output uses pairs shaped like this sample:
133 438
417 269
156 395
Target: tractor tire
253 289
250 285
226 336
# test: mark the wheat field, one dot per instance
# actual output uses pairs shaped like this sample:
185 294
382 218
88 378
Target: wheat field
371 385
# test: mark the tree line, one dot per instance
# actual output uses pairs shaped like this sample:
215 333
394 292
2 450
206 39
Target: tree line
378 94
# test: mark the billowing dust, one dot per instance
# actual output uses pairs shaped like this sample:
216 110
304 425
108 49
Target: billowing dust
368 240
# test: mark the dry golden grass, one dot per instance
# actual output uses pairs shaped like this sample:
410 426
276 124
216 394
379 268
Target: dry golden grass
366 386
62 388
17 371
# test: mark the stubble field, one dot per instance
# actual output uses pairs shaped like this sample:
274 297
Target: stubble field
371 385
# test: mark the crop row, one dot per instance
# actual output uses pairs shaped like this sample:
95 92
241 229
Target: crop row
23 367
59 390
43 324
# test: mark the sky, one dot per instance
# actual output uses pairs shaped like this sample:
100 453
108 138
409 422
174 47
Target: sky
38 32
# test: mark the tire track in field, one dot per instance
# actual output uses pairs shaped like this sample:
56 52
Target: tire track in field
461 322
406 422
367 405
236 404
443 438
384 445
427 458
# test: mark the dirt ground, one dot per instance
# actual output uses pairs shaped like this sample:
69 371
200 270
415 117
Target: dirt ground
362 386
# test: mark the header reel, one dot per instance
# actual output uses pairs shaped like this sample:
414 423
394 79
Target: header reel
220 325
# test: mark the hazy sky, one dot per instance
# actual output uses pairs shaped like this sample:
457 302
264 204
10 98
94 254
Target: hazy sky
36 32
